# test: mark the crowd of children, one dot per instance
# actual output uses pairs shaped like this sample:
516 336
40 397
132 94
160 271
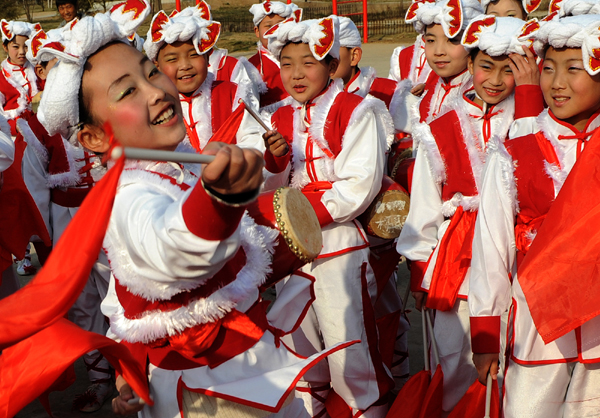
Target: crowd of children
497 110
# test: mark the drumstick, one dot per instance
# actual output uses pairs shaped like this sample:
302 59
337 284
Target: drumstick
136 401
255 116
160 155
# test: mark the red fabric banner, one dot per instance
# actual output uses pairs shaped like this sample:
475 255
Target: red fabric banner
453 260
21 218
226 133
32 365
564 257
472 404
409 402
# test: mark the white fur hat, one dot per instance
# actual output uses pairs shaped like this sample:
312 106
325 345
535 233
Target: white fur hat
529 6
15 27
59 107
35 54
495 36
189 24
574 7
569 32
349 34
262 10
453 15
321 35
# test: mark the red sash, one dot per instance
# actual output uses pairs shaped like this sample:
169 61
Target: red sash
453 260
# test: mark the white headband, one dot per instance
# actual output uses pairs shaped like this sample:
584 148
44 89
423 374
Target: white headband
189 24
529 6
495 36
262 10
15 27
569 32
59 107
453 15
574 7
321 35
35 55
349 34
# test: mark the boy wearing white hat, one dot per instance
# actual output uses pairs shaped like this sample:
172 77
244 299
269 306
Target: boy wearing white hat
523 179
331 145
446 184
59 174
179 46
265 15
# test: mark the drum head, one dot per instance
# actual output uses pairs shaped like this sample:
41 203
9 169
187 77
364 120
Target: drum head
387 214
298 223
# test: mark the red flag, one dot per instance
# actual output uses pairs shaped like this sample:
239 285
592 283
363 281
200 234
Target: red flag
409 402
563 258
336 406
48 297
226 133
21 218
432 404
30 366
472 404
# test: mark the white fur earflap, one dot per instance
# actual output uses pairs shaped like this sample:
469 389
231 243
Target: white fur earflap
321 35
574 7
262 10
13 28
495 36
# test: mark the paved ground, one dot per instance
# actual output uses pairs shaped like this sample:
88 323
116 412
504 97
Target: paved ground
375 55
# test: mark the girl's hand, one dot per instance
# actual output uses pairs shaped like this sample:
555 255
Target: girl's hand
120 404
525 68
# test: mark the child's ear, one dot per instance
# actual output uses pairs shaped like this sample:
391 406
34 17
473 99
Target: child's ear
93 138
40 72
355 56
470 64
5 48
333 66
257 32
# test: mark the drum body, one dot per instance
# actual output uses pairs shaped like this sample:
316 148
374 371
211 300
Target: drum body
300 239
386 215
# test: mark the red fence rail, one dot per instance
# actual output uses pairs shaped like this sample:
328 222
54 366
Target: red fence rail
365 15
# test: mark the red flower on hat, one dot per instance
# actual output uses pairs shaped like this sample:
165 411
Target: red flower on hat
157 24
7 33
267 6
36 42
471 36
456 17
532 6
204 10
328 38
138 6
214 29
298 15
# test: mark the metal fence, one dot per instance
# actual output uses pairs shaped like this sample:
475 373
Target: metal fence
381 22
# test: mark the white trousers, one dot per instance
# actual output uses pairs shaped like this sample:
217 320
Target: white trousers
345 291
562 390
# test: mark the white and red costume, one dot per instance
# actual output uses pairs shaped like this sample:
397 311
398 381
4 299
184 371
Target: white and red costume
337 154
18 84
521 181
410 63
445 199
237 70
210 105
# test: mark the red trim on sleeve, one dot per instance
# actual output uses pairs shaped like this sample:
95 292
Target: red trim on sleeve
529 101
322 213
417 271
208 218
275 164
485 334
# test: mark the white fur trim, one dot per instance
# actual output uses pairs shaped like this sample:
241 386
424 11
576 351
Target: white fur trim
381 114
362 84
469 203
557 174
397 108
507 167
395 64
254 75
426 142
257 241
23 101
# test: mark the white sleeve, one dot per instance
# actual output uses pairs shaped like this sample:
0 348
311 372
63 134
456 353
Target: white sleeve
523 127
35 170
494 251
419 235
7 150
148 239
358 168
249 134
395 65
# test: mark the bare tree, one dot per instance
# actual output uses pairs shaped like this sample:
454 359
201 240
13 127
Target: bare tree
103 3
9 9
28 7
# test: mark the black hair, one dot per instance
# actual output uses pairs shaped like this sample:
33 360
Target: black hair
63 2
516 1
473 53
44 64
